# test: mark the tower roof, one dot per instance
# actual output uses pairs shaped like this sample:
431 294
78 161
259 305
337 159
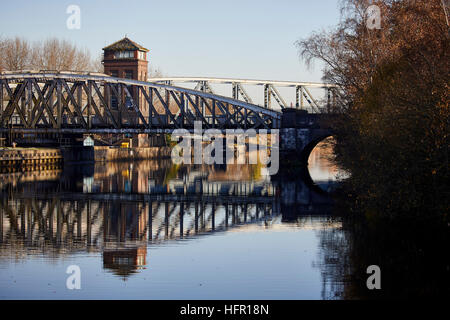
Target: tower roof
125 44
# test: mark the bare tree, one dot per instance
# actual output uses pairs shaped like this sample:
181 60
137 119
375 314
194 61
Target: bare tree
155 72
15 54
51 54
55 54
97 64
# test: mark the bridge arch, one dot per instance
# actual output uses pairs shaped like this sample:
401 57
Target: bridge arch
305 154
314 141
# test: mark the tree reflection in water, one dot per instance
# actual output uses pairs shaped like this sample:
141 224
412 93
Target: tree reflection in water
412 251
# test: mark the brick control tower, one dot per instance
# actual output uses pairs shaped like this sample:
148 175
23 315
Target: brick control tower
127 59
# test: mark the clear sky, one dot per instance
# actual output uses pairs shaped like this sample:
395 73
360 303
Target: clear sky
230 38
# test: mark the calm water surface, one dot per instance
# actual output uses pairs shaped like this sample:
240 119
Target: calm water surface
152 230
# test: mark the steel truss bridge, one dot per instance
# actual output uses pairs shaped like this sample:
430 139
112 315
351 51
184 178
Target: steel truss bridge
76 103
303 95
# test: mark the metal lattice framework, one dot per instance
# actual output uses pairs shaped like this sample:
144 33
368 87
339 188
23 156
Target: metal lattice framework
304 99
62 219
71 102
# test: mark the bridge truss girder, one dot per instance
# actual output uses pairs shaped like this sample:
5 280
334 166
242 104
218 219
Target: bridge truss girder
304 98
58 103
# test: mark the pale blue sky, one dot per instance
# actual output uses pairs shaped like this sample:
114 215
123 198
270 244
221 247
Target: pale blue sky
247 39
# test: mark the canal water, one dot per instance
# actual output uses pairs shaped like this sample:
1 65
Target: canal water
153 230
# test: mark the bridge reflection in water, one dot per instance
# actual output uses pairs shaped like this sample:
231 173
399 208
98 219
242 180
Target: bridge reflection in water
119 209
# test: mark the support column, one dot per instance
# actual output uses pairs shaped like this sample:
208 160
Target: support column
79 219
267 96
299 97
29 103
196 218
183 112
181 219
58 104
58 221
150 221
202 105
150 107
226 216
233 214
50 222
166 220
1 98
168 106
89 102
213 112
197 116
235 91
213 216
1 225
245 212
88 223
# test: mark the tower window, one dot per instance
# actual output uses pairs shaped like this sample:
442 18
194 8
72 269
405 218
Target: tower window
123 54
141 55
114 73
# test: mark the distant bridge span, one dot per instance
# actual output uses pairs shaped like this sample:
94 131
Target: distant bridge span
303 96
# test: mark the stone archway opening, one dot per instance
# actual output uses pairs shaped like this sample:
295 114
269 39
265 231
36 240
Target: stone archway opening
322 168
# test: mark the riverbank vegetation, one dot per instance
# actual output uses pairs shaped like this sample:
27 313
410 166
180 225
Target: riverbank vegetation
392 127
